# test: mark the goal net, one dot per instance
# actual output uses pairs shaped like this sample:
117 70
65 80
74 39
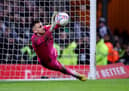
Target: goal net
75 42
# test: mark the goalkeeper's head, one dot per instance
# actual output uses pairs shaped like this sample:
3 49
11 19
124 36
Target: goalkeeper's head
37 27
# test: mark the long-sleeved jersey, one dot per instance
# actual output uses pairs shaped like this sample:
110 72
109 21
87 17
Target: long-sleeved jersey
43 45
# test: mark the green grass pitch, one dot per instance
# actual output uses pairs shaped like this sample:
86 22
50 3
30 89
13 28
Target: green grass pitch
75 85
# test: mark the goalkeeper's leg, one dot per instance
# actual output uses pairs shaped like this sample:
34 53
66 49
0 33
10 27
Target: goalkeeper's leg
73 73
55 65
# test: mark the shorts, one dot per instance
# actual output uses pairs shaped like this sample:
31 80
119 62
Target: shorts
52 62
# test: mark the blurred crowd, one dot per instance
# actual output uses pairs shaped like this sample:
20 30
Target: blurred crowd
15 33
117 44
16 17
72 42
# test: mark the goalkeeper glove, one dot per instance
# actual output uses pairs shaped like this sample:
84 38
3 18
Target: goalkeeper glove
53 23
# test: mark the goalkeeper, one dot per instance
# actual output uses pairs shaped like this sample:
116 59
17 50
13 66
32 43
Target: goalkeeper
42 42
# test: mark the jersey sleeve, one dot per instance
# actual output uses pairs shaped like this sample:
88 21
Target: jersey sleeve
43 39
47 27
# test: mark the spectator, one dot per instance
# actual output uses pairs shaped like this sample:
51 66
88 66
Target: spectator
101 51
113 54
63 39
125 57
28 54
2 28
57 47
83 50
77 28
104 31
67 56
9 47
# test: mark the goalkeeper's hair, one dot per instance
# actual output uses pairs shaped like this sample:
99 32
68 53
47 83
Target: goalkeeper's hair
34 22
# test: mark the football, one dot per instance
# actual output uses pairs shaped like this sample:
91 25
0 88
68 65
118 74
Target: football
62 18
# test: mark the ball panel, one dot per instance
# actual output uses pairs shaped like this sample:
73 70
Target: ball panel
62 18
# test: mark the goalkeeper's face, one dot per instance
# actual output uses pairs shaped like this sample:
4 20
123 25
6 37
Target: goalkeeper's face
38 29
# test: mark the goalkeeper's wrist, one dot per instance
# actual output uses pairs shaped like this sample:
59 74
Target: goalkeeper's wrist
52 26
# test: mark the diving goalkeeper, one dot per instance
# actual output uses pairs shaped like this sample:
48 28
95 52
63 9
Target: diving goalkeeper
42 42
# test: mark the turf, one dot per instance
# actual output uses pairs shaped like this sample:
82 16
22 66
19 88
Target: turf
89 85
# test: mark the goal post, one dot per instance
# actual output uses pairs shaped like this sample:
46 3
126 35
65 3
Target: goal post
92 39
75 42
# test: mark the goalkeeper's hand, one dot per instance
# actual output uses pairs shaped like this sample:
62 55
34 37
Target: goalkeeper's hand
53 23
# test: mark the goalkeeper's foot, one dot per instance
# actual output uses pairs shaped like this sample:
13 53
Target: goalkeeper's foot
82 77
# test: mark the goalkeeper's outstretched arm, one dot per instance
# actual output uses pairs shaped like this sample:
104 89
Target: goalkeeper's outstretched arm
53 23
44 31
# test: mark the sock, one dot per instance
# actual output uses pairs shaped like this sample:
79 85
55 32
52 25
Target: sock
70 72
